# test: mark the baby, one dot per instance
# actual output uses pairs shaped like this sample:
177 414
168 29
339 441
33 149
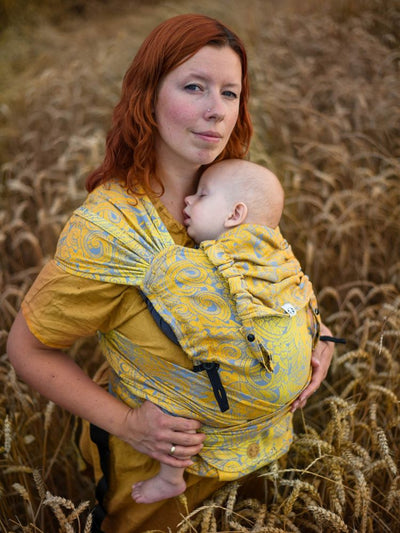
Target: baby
230 193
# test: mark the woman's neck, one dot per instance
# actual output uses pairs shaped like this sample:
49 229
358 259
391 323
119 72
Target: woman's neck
176 188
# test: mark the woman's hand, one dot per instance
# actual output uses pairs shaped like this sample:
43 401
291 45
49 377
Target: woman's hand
320 362
170 439
55 375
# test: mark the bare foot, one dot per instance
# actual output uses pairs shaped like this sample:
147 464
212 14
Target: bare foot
156 489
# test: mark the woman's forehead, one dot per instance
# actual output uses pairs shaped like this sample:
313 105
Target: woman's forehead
212 58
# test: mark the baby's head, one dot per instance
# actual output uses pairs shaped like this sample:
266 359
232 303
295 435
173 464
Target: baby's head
230 193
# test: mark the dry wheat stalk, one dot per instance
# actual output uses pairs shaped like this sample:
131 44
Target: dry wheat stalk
7 429
55 503
41 488
337 476
207 517
393 494
260 518
88 525
270 529
77 511
377 466
328 519
18 469
48 413
231 500
385 450
22 491
299 487
375 387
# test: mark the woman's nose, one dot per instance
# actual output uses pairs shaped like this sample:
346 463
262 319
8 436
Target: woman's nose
215 109
187 200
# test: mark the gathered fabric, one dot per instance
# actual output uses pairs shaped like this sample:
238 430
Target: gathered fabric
242 301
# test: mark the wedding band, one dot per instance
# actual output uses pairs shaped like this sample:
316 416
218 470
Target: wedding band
172 450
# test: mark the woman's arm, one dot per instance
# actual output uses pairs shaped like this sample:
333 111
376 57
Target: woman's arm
320 362
57 377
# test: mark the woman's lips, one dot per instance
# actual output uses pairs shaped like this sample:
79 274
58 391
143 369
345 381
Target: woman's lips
210 136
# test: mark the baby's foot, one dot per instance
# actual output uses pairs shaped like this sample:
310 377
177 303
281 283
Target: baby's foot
156 489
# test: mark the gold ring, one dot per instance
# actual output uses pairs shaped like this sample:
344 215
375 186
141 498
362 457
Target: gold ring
172 450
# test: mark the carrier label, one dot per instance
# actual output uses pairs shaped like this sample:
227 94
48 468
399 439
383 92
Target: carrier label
290 309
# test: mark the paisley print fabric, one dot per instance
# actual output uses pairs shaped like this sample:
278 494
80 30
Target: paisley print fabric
224 302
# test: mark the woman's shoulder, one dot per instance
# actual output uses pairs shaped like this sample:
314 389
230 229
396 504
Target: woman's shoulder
61 307
113 195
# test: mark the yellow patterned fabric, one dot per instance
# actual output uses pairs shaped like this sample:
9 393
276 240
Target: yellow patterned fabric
222 307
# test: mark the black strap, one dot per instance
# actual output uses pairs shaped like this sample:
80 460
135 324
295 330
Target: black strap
336 340
100 438
218 388
210 368
161 323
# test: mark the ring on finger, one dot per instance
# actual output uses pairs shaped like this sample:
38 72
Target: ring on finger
172 450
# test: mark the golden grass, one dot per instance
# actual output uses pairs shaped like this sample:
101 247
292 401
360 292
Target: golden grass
326 107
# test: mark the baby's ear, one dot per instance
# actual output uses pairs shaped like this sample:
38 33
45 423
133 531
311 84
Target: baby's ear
236 216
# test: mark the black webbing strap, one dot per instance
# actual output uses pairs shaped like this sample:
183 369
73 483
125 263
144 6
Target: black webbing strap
210 368
215 380
100 438
336 340
161 323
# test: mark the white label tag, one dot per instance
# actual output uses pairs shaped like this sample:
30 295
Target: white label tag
290 310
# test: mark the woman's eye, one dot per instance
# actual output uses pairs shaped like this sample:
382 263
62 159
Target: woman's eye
230 94
192 87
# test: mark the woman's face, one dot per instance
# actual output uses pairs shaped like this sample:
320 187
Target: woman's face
196 109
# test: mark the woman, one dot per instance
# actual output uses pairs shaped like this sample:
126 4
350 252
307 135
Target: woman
183 106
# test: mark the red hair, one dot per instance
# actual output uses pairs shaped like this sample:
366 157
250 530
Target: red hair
130 145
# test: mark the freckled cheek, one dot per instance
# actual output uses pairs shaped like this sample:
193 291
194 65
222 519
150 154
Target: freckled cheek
167 113
178 114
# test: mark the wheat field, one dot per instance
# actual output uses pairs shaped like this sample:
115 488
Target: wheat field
325 87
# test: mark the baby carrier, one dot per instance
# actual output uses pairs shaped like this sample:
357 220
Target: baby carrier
247 326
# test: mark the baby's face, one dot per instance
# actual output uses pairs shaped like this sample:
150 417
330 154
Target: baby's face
206 210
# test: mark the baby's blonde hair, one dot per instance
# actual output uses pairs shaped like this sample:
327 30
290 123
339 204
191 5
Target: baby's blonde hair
255 186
